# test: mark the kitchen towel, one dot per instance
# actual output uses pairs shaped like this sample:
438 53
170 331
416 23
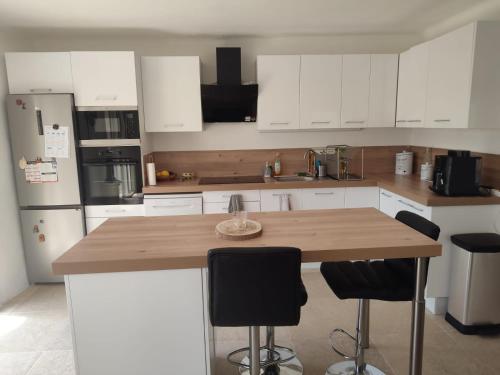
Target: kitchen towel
235 203
285 202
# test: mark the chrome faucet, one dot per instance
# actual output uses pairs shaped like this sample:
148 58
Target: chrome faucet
310 156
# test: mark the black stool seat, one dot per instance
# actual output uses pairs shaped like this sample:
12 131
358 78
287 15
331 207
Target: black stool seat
381 280
478 242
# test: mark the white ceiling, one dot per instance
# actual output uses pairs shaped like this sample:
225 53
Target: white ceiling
235 17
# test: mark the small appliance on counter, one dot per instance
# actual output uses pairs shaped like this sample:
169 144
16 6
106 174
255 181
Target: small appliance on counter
404 163
344 162
457 174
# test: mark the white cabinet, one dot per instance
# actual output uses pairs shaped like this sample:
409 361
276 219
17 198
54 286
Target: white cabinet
355 90
222 208
358 197
171 93
383 88
173 204
96 215
412 86
278 102
217 202
387 203
320 91
103 79
39 72
449 82
316 199
280 200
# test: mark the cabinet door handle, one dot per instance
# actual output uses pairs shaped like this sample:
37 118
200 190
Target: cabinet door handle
106 97
279 123
40 90
414 120
329 193
173 206
386 195
398 121
320 122
410 205
115 211
180 125
354 122
443 120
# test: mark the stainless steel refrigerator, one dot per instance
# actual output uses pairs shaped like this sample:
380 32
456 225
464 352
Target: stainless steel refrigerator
45 162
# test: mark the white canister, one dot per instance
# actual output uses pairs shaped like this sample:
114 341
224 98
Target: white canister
426 172
151 172
404 163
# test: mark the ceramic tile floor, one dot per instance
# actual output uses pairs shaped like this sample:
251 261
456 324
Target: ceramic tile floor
35 336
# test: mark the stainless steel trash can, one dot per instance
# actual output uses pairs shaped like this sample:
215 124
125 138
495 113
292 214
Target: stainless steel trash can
474 301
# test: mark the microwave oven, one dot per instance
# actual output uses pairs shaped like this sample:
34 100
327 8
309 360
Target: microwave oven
108 124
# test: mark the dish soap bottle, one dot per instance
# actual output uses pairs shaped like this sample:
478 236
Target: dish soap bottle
277 165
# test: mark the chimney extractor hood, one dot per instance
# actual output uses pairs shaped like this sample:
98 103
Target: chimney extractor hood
229 100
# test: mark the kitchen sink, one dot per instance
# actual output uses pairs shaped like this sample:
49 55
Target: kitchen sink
293 178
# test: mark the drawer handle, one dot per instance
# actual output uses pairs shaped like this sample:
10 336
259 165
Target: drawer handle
443 120
410 205
174 206
173 125
279 123
320 122
40 90
111 210
280 194
106 97
330 193
386 195
398 121
414 120
354 122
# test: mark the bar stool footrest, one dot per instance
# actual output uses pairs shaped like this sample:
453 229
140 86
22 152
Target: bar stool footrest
275 357
335 335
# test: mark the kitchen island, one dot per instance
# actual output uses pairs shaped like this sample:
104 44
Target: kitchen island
137 292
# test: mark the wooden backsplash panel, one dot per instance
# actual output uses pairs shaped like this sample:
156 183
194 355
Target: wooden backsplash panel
230 162
377 160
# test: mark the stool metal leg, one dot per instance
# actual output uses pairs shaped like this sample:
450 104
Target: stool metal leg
365 338
358 366
254 335
418 319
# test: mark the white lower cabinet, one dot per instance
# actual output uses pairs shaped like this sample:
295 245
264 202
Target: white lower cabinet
359 197
316 199
96 215
221 208
387 203
173 204
280 200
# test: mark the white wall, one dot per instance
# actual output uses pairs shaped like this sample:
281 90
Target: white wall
243 136
13 278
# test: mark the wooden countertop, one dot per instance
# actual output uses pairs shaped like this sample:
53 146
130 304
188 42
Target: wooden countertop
410 187
157 243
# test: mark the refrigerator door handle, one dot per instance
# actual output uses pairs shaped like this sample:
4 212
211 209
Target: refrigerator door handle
39 121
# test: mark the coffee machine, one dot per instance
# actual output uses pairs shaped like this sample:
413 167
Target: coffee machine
457 174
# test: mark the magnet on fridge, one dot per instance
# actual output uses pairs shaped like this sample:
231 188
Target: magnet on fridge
23 163
41 237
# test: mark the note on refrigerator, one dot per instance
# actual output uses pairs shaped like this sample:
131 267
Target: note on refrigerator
38 171
56 141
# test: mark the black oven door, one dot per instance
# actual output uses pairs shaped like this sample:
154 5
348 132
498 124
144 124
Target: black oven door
108 125
111 175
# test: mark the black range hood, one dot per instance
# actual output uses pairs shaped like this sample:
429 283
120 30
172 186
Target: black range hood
229 100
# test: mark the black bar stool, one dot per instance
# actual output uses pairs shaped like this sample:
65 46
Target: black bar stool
257 287
385 280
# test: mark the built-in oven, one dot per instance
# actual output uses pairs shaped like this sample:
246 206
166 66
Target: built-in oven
111 175
107 124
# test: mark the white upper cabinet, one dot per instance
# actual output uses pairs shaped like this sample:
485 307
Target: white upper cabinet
104 79
412 86
383 88
449 81
355 91
39 72
171 93
278 102
320 91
